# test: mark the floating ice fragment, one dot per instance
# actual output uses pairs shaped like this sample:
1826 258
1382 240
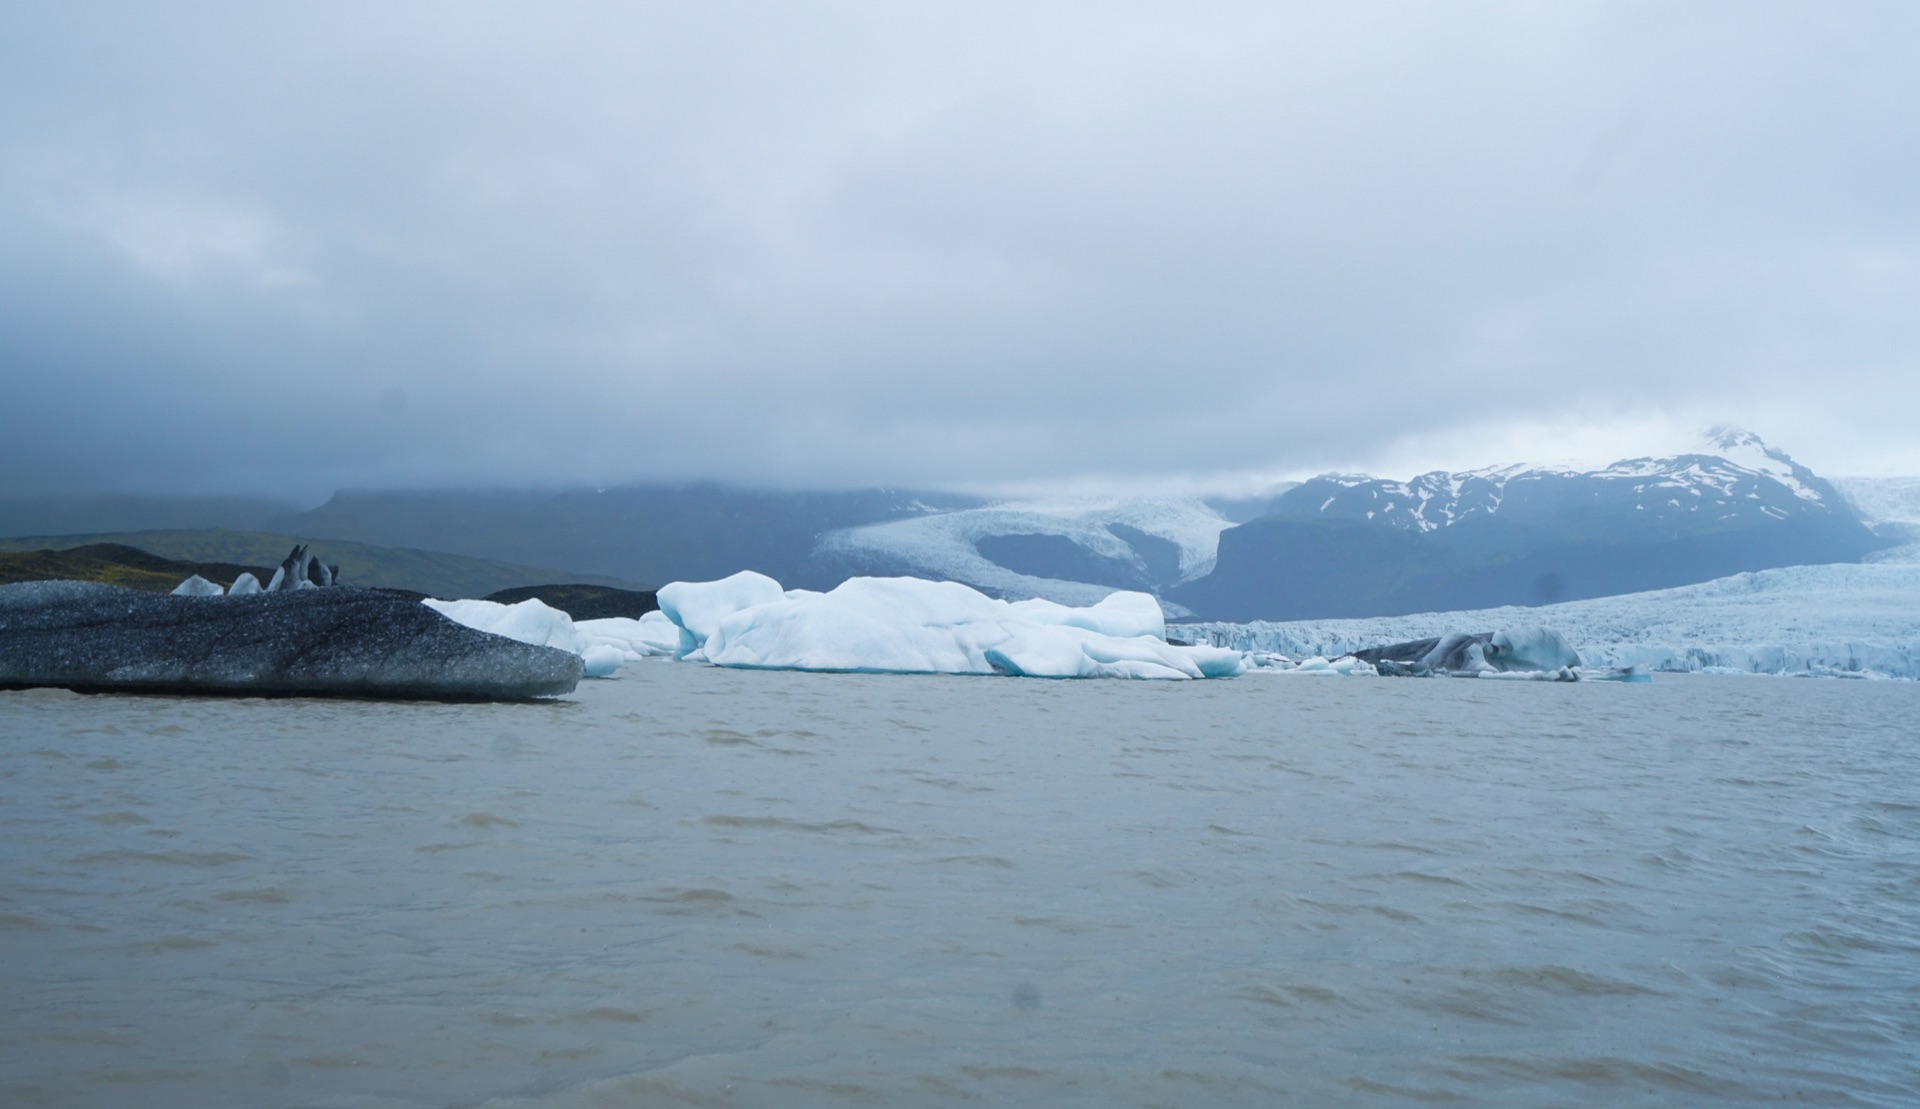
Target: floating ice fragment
603 645
1343 667
909 625
697 607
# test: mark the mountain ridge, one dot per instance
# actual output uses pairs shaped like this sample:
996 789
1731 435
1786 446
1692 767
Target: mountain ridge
1345 545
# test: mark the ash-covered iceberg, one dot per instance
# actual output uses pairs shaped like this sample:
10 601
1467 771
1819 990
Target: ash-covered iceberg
1524 649
338 642
1526 652
913 626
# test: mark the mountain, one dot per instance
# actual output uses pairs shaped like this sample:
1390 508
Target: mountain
1352 545
644 534
1338 545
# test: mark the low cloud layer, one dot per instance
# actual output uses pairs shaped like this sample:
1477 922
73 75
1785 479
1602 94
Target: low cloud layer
247 249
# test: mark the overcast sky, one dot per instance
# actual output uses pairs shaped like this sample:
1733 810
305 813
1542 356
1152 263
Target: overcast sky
290 248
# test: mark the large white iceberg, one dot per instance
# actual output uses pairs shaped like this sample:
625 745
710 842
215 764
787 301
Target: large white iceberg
603 645
913 626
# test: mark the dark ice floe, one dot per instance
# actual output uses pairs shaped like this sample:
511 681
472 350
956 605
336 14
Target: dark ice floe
1525 649
342 642
1526 652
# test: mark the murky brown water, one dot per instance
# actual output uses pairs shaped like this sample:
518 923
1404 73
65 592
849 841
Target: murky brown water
706 887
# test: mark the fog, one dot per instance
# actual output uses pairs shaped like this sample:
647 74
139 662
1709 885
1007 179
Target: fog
277 251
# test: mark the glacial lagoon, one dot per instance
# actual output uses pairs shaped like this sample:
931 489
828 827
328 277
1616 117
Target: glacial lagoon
698 886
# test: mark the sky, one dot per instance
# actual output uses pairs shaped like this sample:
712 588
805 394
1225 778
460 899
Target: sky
284 249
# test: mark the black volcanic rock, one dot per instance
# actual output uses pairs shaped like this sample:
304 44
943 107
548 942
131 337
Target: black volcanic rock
312 642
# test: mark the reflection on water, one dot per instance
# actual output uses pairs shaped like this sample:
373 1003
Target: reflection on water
701 887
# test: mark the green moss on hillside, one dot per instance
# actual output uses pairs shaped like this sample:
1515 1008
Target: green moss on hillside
433 573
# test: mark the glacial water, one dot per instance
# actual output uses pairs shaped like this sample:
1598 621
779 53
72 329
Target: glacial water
693 886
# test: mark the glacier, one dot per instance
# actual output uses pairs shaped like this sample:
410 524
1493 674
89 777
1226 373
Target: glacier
942 545
1892 506
915 626
1836 619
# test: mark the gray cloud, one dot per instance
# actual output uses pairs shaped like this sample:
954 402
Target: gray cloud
472 243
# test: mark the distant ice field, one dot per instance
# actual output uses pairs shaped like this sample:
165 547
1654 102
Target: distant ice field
1845 619
704 886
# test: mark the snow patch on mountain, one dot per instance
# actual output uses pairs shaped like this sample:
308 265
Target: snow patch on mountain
1744 449
1841 619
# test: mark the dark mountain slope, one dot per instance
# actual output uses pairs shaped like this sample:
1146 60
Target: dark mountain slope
1343 545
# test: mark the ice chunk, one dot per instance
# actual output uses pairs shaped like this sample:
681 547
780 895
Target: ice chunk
244 585
1344 666
197 586
909 625
652 634
604 645
698 607
1124 614
1531 647
602 660
530 621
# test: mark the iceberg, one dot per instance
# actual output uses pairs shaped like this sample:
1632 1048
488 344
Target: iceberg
604 645
1522 649
698 607
197 586
915 626
1263 662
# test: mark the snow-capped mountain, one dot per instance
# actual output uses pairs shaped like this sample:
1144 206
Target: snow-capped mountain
1350 545
1355 545
1742 480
